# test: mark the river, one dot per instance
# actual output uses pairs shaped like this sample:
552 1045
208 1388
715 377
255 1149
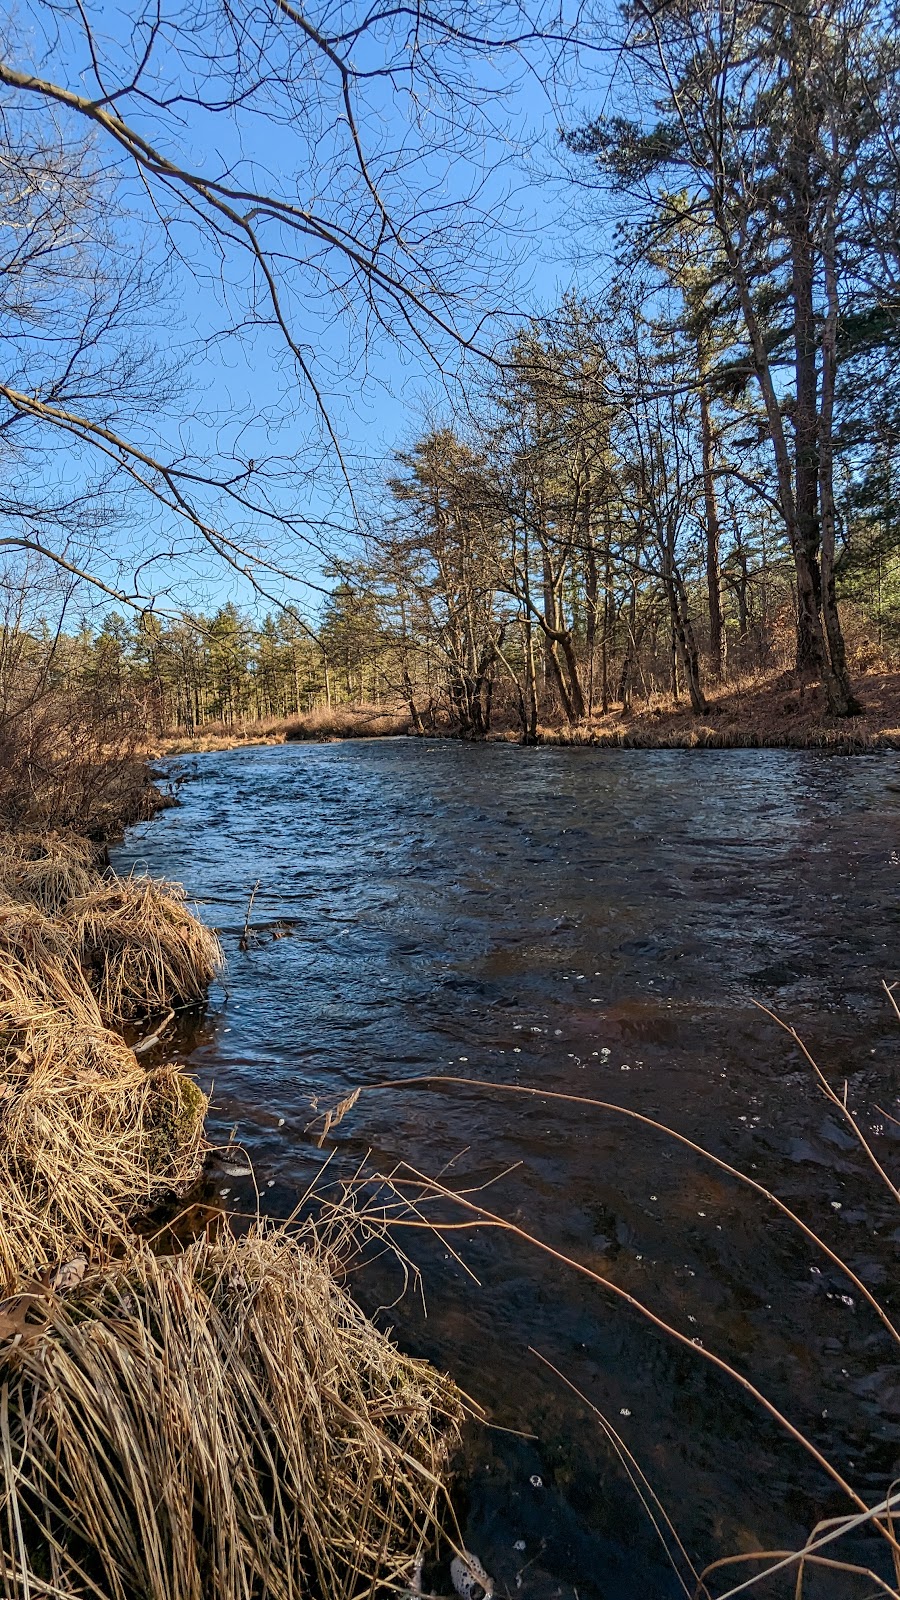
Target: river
595 923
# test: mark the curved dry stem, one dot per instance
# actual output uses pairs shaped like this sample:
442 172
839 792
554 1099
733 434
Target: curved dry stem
789 1558
333 1117
431 1189
221 1422
428 1188
837 1528
835 1099
638 1480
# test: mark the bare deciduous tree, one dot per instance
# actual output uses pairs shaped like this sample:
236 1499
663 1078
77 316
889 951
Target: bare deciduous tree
293 165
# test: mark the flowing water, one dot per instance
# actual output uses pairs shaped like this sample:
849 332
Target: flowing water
595 923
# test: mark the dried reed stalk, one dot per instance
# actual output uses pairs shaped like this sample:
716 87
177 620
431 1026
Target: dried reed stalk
223 1424
38 968
134 940
213 1426
87 1136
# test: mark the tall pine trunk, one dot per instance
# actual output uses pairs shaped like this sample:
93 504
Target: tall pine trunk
717 637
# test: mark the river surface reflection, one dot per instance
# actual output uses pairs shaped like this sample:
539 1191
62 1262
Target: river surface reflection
597 923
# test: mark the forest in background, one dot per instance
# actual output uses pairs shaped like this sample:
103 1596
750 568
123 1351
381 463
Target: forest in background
681 481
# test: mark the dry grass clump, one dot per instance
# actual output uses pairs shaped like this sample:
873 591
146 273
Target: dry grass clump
38 969
323 723
133 940
88 1137
47 870
141 948
218 1425
223 1424
220 736
349 722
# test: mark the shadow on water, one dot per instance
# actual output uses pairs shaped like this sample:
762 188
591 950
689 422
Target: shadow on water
594 923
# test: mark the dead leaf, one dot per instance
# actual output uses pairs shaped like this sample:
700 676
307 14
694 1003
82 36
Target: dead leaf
68 1275
14 1318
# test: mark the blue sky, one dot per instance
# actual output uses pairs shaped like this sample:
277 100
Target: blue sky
239 397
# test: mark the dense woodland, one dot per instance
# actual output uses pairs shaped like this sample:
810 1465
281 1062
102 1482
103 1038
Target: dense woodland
678 480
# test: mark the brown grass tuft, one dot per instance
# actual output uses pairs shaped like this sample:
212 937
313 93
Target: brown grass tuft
133 940
350 722
141 948
216 1425
37 967
88 1137
47 870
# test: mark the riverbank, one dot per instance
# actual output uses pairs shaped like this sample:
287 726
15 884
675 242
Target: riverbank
175 1423
779 712
340 722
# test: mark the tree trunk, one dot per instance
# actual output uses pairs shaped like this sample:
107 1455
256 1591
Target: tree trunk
843 692
576 693
591 593
690 654
811 645
531 717
806 451
551 660
410 701
623 694
550 615
607 628
717 636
